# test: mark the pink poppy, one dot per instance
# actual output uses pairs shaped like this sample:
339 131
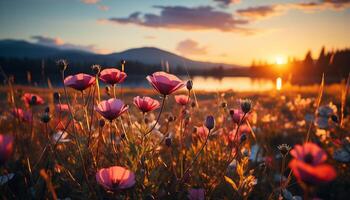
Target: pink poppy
165 83
243 129
202 132
32 99
111 108
6 148
308 164
237 115
182 99
79 81
146 104
22 115
115 178
112 76
196 194
62 108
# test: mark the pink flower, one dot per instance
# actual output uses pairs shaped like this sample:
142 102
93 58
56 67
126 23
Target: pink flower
165 83
115 178
308 164
146 104
112 76
196 194
22 115
62 108
182 99
111 108
236 115
243 129
6 148
32 99
202 132
79 81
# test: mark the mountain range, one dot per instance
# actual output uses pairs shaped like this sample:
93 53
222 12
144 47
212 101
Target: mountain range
147 55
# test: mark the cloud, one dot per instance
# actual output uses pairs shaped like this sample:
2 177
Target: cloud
60 44
90 1
190 47
322 5
225 3
185 18
103 8
261 12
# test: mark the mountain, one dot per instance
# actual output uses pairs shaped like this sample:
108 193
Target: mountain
145 55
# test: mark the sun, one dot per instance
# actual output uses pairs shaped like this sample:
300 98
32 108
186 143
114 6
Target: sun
280 60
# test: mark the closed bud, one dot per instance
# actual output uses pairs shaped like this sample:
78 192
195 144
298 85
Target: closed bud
193 104
223 104
168 141
209 122
101 123
246 105
189 85
45 117
123 62
232 112
243 138
96 69
335 118
47 109
62 64
56 97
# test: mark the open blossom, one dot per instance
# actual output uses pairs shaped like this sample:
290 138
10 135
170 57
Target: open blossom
236 115
32 99
6 148
165 83
21 114
115 178
196 194
308 164
182 99
112 76
243 129
146 104
111 108
202 132
79 81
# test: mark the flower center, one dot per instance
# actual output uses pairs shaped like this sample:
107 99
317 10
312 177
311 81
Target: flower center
308 158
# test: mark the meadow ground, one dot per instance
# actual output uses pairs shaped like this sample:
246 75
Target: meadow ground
212 145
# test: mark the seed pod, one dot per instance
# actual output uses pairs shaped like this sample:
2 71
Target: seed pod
62 64
246 105
189 85
209 122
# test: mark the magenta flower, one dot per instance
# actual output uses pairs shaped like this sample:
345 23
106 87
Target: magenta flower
146 104
115 178
79 81
112 76
236 115
165 83
32 99
196 194
6 148
308 164
182 99
111 108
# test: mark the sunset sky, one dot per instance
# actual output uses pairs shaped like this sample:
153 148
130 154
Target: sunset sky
231 31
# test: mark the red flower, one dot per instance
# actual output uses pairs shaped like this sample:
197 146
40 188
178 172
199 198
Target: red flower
182 99
62 108
115 178
79 81
308 164
112 76
32 99
22 115
165 83
6 148
146 104
111 108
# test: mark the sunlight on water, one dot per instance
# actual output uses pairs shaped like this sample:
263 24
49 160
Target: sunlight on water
279 83
232 83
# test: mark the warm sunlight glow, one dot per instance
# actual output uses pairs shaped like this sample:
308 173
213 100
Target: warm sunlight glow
279 83
280 60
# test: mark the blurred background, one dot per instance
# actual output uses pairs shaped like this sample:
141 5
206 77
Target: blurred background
241 45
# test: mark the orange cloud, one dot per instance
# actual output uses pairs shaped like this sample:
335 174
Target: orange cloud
190 47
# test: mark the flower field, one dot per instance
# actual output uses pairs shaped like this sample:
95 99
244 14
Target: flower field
85 141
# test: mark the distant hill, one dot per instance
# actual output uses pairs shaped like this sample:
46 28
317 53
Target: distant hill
145 55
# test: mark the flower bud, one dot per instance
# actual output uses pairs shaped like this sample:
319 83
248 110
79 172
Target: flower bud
335 118
243 138
232 112
223 104
193 104
209 122
101 123
246 105
189 85
56 97
45 117
47 109
122 62
168 141
33 100
96 69
62 64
